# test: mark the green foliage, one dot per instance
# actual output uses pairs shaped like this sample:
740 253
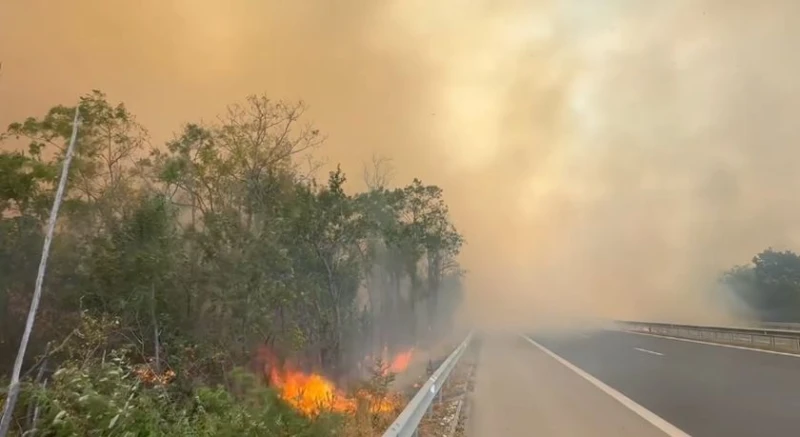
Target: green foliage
23 182
107 399
770 286
190 257
376 407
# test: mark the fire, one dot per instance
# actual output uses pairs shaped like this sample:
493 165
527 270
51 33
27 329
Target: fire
146 374
309 393
386 405
401 361
312 393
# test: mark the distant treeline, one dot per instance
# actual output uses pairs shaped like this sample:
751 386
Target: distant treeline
768 288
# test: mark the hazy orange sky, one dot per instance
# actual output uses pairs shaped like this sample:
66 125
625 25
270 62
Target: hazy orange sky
609 156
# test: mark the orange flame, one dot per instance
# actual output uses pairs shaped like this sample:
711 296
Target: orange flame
311 393
387 404
147 375
401 361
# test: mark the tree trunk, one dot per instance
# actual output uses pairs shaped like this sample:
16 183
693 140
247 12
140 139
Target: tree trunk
413 318
434 282
156 343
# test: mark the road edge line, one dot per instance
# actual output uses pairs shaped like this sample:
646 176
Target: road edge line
732 346
654 419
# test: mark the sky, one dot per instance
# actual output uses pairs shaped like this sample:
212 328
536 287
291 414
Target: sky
605 158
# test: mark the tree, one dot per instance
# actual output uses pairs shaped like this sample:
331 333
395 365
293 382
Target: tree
428 233
24 205
770 286
329 224
110 142
777 275
379 174
191 259
14 385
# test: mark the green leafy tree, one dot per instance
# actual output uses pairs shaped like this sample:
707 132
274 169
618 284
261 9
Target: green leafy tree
188 260
770 286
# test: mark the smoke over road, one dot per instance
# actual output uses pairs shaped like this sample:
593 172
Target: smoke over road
604 158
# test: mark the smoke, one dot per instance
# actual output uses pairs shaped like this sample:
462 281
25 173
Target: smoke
680 164
602 158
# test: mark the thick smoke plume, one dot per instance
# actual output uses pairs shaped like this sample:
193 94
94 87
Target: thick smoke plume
602 158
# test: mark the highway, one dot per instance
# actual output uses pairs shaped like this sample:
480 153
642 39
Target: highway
610 383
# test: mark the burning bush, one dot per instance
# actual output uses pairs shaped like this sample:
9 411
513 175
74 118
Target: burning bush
311 393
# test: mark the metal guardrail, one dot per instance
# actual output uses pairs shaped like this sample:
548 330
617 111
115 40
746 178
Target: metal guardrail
783 326
407 422
777 325
784 340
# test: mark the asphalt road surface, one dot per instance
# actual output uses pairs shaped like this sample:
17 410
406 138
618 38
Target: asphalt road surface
609 383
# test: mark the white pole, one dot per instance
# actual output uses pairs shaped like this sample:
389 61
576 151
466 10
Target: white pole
13 387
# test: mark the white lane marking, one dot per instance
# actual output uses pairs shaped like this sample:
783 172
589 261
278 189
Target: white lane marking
666 427
648 351
732 346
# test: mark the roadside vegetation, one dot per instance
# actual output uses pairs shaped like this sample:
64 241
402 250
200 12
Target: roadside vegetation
768 288
208 286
